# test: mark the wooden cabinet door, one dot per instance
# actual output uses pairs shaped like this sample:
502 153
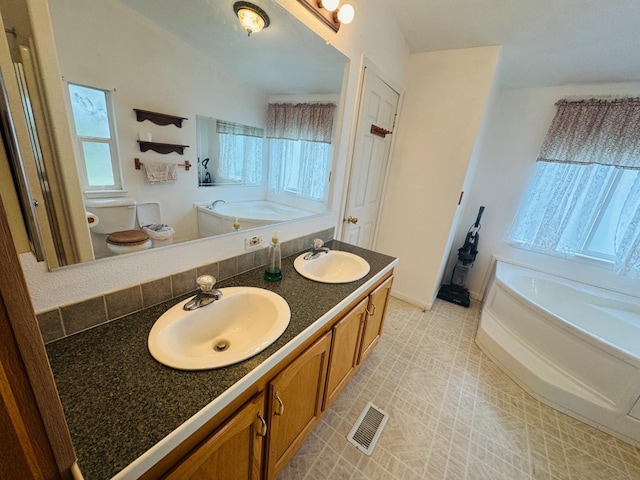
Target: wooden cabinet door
345 345
295 402
375 318
233 452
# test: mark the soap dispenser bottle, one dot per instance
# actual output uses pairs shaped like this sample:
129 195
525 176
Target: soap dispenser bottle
273 272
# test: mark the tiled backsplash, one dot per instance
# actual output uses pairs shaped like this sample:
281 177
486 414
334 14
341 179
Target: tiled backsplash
69 319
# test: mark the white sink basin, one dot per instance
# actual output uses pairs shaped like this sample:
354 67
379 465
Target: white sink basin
333 266
242 323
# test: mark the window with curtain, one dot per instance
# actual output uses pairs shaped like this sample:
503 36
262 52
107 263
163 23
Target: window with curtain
241 149
584 197
299 137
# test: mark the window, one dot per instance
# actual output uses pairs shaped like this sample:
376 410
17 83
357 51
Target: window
300 149
584 198
300 168
241 151
600 241
95 133
229 153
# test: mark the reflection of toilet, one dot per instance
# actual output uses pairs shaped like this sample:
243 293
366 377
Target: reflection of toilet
150 221
116 226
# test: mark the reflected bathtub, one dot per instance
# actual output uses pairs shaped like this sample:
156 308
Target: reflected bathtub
222 218
572 346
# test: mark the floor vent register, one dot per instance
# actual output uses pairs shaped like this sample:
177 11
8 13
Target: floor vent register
367 430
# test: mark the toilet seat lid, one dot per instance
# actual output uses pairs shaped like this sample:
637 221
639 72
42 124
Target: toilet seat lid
128 237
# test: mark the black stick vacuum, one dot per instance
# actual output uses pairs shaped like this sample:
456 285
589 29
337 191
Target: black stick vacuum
455 291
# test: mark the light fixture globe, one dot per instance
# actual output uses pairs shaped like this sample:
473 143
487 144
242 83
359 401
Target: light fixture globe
346 14
251 17
329 5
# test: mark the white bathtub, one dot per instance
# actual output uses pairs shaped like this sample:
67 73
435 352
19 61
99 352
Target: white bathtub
573 346
221 218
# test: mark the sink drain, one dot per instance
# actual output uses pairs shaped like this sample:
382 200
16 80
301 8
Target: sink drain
221 346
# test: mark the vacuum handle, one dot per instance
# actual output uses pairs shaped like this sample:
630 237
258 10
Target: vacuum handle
477 224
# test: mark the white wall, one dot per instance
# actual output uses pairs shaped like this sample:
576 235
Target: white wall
447 93
373 34
515 133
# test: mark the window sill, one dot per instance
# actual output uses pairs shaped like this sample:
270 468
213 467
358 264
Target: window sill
595 260
105 193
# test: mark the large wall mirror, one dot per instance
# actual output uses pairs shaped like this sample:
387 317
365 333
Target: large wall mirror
192 60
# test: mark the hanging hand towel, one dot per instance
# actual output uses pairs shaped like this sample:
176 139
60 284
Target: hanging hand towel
161 172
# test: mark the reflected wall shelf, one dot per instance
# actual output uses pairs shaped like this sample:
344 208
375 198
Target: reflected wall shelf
158 118
162 148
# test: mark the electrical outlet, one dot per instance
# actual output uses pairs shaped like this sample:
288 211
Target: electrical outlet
252 242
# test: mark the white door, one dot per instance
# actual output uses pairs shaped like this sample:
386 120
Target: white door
378 106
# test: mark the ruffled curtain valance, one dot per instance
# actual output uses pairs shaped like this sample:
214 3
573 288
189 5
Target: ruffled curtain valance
231 128
595 131
312 122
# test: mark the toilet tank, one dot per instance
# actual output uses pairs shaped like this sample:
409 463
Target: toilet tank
114 214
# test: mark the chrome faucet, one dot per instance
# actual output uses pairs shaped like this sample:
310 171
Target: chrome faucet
316 250
206 295
214 203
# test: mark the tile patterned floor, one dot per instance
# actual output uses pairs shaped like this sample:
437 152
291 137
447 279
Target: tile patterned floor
453 415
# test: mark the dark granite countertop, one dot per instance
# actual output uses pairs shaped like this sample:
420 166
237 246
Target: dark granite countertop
119 402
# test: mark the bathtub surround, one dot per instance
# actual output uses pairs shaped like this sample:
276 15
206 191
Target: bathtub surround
72 318
571 346
232 216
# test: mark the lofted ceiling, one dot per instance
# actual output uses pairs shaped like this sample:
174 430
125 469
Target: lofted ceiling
285 58
545 42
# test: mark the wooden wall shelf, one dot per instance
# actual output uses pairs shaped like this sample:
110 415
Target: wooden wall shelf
162 148
158 118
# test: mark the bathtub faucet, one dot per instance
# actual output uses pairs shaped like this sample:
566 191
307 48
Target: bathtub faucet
206 295
216 202
316 249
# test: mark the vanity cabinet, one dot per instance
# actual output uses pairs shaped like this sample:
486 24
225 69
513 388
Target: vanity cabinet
233 452
295 404
345 349
294 395
376 310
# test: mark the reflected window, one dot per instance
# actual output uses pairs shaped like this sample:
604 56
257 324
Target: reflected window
229 153
300 149
299 167
94 130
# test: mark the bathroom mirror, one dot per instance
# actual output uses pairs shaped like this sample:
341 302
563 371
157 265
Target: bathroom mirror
189 59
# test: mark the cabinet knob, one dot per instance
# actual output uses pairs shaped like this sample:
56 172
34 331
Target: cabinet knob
280 409
263 426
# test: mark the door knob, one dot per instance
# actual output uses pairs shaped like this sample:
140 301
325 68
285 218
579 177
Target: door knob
353 220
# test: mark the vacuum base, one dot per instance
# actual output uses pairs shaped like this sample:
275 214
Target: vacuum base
455 294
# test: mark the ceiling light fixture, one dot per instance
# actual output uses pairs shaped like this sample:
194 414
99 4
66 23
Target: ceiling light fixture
330 12
251 17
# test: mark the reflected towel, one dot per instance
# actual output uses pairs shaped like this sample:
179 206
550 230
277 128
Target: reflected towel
161 172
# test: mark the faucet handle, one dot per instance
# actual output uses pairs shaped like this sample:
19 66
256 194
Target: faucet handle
317 243
206 282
